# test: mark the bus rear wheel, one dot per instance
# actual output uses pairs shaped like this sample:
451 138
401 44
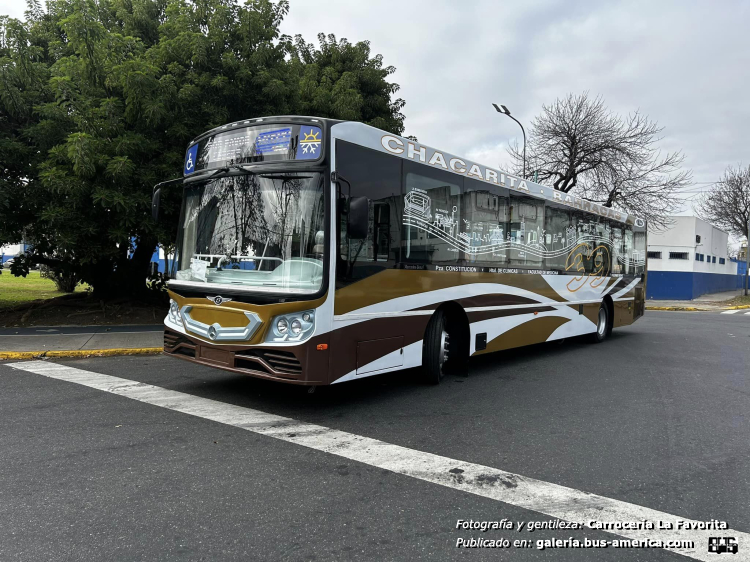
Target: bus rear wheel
602 324
436 349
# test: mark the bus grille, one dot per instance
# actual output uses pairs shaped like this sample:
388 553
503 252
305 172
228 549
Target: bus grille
282 363
176 343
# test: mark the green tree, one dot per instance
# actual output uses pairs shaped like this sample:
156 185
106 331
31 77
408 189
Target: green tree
99 100
341 80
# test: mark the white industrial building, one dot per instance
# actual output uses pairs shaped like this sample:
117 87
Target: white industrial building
689 259
10 251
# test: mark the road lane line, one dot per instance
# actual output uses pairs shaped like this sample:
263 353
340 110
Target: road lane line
543 497
730 312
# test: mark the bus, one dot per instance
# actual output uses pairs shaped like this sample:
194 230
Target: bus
315 251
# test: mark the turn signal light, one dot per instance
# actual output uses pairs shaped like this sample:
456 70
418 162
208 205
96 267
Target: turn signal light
322 346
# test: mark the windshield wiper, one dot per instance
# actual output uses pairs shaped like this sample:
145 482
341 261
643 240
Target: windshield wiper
156 197
225 170
272 176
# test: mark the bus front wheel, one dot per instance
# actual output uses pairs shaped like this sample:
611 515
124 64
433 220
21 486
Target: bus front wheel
602 324
436 348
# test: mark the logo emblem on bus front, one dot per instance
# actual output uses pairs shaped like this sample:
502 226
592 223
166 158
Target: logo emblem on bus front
217 300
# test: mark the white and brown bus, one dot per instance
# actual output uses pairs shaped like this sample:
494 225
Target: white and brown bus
313 251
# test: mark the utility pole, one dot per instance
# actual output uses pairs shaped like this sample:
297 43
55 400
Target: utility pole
747 255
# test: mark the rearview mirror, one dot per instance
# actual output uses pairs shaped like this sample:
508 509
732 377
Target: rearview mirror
155 204
359 217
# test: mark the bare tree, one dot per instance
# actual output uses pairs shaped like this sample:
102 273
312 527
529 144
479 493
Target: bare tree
727 204
577 143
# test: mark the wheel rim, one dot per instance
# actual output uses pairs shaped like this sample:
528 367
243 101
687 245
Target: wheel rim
602 325
444 348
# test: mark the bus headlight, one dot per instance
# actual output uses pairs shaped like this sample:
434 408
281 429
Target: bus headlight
295 327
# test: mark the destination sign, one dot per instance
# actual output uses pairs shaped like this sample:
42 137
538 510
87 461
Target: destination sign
260 143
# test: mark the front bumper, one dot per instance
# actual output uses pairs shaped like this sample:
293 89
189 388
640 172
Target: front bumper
290 364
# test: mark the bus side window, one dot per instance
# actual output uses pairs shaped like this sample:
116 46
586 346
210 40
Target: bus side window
627 251
432 226
526 230
381 237
376 176
581 258
485 218
559 236
639 250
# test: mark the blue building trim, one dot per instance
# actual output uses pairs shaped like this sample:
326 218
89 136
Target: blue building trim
741 266
687 285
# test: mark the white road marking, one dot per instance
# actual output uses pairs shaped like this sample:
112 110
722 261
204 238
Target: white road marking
514 489
730 312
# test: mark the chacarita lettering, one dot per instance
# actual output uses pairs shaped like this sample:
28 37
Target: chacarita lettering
414 151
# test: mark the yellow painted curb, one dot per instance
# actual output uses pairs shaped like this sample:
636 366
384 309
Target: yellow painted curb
678 308
738 307
80 353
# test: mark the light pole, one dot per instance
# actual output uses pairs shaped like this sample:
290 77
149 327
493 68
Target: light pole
506 111
747 256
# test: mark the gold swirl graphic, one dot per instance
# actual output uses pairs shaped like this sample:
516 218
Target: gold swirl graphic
600 255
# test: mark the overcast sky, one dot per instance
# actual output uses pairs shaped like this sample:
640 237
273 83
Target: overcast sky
683 63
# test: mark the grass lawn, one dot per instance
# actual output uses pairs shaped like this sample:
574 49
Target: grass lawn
17 290
741 300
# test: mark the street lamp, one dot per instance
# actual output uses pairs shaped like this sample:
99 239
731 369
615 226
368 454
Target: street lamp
506 111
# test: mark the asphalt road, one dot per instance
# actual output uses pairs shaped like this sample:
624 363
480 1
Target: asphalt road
657 416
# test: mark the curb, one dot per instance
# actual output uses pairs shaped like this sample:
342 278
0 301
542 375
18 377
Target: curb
678 308
698 309
80 353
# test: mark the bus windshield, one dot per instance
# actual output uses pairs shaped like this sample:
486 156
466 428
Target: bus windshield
263 232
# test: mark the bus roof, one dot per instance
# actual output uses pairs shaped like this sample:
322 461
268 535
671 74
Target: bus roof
388 143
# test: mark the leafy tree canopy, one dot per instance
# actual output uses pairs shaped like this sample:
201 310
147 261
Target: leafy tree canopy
99 100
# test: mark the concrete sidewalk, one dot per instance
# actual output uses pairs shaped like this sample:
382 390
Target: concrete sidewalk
80 339
711 301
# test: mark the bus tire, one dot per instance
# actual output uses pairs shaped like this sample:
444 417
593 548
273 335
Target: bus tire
602 324
435 348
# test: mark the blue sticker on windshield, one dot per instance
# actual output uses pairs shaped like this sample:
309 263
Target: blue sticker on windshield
190 158
273 142
310 141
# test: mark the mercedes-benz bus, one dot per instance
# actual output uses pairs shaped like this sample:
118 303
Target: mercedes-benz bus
314 251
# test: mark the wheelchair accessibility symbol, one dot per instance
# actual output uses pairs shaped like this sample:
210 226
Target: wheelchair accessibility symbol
190 158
